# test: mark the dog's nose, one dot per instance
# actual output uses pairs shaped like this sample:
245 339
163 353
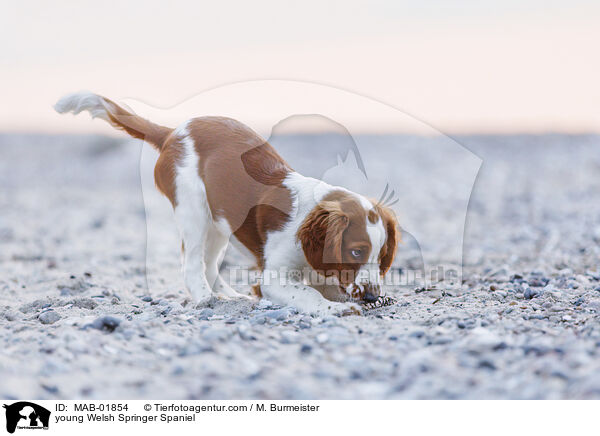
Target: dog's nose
371 293
370 298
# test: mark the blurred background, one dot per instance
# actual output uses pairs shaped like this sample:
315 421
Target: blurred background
463 67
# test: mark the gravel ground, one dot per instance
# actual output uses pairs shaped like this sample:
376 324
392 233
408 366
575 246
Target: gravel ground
77 319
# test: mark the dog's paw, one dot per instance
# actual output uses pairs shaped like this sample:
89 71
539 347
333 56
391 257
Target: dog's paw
204 301
340 309
351 309
238 297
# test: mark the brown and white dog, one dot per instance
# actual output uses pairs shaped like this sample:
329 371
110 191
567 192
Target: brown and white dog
223 179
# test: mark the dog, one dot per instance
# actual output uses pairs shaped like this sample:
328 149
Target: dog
224 180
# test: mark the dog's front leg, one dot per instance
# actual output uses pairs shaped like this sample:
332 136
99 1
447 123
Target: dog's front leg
281 289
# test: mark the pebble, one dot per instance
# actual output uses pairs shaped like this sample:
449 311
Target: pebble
106 323
305 349
84 303
321 338
466 324
10 315
205 314
264 304
273 315
245 333
531 293
48 317
305 322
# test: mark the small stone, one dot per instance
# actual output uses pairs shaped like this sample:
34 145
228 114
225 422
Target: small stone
245 333
9 315
258 320
538 282
305 349
49 317
106 323
466 323
264 304
487 364
51 389
417 334
205 314
531 293
146 298
322 338
84 303
274 315
305 322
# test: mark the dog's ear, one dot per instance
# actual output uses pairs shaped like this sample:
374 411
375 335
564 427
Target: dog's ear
388 251
321 235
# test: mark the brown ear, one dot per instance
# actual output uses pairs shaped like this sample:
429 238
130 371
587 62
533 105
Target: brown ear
388 251
321 235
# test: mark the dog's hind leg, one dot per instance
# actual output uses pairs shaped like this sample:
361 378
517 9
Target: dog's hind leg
193 228
194 220
218 240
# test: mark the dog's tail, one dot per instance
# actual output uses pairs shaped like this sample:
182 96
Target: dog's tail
118 117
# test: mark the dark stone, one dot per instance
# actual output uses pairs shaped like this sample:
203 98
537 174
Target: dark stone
106 323
305 349
531 293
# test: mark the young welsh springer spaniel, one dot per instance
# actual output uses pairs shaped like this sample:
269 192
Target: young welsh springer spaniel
223 179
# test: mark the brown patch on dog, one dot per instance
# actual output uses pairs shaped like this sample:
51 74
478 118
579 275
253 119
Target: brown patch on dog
164 170
388 250
243 176
329 233
256 291
372 216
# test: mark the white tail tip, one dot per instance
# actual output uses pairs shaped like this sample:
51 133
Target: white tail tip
83 101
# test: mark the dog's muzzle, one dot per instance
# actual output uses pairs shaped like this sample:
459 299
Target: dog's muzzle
367 292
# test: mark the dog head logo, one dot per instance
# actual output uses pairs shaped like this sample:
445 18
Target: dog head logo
25 415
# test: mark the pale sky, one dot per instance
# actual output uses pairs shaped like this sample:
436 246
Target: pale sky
473 66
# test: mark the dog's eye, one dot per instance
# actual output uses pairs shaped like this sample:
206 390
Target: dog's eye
356 253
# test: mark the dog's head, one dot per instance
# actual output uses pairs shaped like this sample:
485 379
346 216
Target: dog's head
352 239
